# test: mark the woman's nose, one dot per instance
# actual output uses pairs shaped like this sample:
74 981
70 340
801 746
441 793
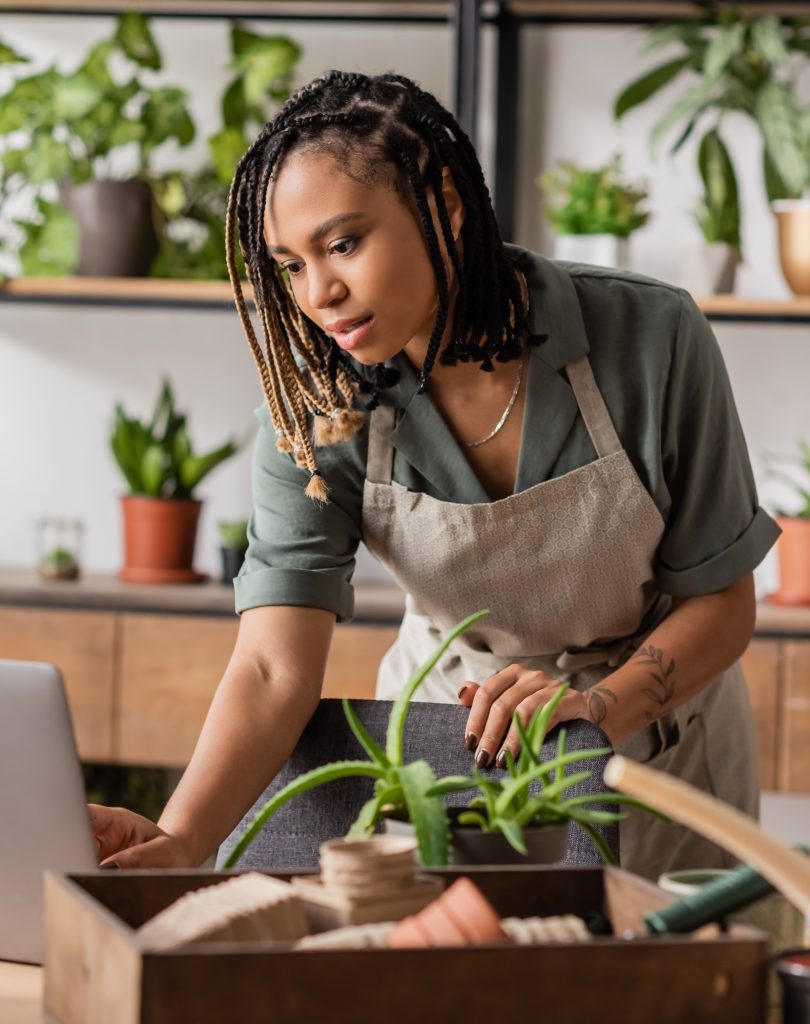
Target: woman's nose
325 289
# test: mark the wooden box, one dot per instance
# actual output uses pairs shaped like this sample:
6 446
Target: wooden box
96 973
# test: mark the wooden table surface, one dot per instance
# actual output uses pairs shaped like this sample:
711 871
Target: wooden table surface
20 994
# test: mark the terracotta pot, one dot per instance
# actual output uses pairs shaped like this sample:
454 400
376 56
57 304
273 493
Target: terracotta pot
793 548
159 538
460 916
117 236
472 846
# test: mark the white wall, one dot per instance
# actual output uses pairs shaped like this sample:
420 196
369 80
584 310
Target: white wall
62 368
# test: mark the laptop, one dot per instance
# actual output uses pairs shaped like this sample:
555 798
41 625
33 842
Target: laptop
44 822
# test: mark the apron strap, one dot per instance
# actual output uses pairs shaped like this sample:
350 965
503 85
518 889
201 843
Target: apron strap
380 450
592 406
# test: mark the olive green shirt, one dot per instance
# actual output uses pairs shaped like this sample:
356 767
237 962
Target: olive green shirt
662 376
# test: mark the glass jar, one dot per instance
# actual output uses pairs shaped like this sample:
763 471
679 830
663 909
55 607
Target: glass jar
59 544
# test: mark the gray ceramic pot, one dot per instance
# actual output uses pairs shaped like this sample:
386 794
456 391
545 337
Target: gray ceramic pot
117 235
471 846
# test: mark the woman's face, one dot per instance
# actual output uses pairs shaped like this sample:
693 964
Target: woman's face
357 261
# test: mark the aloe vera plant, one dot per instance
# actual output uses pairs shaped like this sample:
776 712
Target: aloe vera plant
509 806
398 787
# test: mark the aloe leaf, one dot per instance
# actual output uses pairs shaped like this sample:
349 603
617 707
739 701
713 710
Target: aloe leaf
511 767
612 798
369 815
539 723
599 842
309 780
527 755
647 85
366 741
537 811
558 771
513 833
474 818
396 722
513 789
427 813
452 784
489 791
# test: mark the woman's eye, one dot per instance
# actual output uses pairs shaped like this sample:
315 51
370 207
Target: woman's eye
344 246
292 268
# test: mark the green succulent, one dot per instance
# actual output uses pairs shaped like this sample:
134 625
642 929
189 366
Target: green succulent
234 534
734 62
157 458
580 201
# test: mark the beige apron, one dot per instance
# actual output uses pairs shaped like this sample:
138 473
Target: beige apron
566 569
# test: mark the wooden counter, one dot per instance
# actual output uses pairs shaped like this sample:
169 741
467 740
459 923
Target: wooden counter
141 664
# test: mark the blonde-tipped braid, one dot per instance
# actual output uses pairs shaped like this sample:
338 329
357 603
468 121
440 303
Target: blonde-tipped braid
291 396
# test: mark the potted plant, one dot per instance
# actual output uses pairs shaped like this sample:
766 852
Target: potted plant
161 512
735 61
194 203
410 794
76 129
593 212
793 546
234 538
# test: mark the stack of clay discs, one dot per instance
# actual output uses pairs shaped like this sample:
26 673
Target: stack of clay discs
368 868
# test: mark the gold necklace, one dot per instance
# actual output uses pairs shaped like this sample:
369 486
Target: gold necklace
505 413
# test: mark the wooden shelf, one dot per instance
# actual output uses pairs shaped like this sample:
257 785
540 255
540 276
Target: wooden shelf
155 293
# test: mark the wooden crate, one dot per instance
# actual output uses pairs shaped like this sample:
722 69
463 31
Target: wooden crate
96 972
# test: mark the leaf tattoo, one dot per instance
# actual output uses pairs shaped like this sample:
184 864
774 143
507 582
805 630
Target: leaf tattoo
660 673
597 708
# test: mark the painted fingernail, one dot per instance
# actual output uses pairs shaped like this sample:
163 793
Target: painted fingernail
470 741
482 757
461 692
110 867
500 760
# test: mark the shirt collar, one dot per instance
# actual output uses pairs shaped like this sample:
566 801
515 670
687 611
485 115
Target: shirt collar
555 319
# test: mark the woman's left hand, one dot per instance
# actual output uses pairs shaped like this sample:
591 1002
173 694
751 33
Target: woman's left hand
493 703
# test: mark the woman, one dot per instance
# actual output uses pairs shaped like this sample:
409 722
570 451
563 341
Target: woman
591 486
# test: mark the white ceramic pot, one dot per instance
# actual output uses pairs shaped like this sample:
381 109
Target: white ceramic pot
596 250
709 269
793 222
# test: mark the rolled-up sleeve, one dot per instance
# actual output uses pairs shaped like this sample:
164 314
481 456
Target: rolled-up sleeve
299 552
715 532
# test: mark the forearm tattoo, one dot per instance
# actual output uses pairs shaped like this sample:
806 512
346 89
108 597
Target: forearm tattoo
662 675
595 699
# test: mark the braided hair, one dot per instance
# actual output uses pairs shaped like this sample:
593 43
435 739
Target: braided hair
405 138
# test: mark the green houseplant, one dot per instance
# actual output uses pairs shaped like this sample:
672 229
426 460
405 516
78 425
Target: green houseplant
411 792
793 546
72 129
733 61
233 537
593 211
162 470
63 133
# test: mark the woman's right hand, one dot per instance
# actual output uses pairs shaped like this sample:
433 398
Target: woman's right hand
128 840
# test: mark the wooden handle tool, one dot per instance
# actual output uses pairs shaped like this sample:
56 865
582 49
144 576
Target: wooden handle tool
787 869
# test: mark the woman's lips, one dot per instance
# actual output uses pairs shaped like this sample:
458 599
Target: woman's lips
352 335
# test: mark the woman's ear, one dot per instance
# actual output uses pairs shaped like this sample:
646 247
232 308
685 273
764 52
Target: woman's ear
452 200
